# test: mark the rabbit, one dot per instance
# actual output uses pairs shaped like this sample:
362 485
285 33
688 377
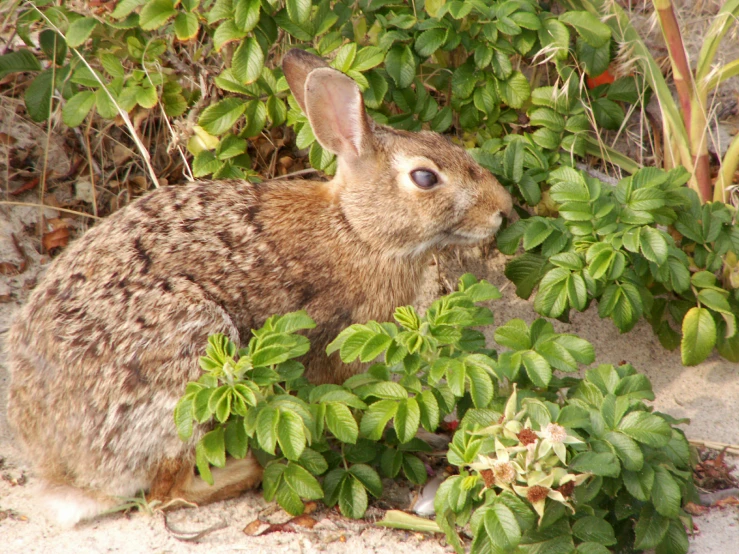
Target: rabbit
102 351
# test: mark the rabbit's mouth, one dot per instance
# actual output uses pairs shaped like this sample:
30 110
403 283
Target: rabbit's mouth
473 236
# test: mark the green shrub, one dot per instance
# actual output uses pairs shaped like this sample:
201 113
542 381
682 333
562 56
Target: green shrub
545 462
505 78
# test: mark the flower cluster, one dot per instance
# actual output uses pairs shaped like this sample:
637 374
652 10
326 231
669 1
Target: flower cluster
530 463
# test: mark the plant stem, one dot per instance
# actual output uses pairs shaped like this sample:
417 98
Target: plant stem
729 165
691 103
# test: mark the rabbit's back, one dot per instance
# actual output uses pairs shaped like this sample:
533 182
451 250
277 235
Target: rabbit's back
107 342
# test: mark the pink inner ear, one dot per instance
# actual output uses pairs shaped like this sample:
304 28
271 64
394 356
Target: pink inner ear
336 111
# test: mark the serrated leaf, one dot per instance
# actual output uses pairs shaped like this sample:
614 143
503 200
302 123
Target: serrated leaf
501 526
515 90
247 61
220 117
15 62
291 435
590 28
537 368
646 428
650 528
298 10
246 14
401 65
214 447
341 423
368 477
76 109
302 482
604 464
666 494
596 529
374 420
186 26
640 483
80 30
352 498
407 420
155 14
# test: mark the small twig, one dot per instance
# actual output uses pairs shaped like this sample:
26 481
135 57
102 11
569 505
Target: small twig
192 536
300 172
31 205
730 448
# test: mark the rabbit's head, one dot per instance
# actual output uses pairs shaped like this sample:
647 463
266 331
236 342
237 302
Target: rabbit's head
402 192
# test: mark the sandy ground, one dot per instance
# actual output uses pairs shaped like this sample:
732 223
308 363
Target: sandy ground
707 394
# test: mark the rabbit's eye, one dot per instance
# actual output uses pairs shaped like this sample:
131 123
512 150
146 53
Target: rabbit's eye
424 178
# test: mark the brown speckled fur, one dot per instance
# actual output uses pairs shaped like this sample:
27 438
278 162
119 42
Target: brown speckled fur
105 345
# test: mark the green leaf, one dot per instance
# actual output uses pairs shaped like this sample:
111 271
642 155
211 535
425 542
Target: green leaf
651 528
205 163
513 334
401 65
595 62
675 541
247 62
214 447
302 482
80 30
186 26
515 91
430 41
15 62
124 7
155 14
288 499
653 245
526 271
291 435
76 109
352 498
368 477
666 494
699 336
407 420
537 368
221 117
225 33
640 483
298 10
588 26
237 443
267 423
246 14
646 428
627 450
715 300
313 462
604 464
38 96
591 528
374 420
183 417
501 526
341 423
414 469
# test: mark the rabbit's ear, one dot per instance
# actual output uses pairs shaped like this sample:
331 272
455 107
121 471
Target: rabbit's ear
335 109
296 65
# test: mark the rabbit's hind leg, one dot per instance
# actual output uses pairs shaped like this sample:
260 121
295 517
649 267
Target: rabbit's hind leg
176 480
